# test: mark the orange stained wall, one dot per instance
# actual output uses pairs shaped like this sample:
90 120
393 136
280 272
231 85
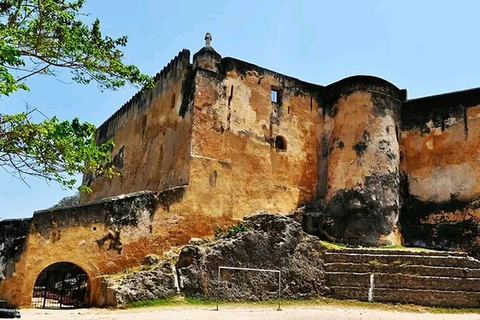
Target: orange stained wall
442 164
235 165
84 236
151 135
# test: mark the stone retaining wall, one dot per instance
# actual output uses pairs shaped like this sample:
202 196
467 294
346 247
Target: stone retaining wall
448 279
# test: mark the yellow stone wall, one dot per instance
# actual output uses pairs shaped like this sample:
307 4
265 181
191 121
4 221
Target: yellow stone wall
203 142
153 132
360 156
211 159
84 236
233 144
442 164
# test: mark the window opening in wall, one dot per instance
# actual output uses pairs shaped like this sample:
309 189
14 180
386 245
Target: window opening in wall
465 121
172 104
276 95
144 125
280 143
444 116
231 96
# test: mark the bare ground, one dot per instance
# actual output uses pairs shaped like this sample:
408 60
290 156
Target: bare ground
238 313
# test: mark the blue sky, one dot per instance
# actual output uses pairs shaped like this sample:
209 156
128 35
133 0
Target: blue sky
426 47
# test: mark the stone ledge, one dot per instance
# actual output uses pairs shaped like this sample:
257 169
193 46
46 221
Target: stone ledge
401 252
444 261
419 270
422 297
403 281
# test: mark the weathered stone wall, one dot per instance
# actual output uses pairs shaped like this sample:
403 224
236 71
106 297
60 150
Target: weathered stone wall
268 242
101 237
152 136
213 146
234 165
438 278
13 234
237 167
440 147
360 156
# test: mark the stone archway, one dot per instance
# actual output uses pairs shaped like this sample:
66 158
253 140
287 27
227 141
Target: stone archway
61 285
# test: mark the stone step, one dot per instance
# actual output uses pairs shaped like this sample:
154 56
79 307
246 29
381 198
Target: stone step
422 297
402 281
399 259
420 270
404 252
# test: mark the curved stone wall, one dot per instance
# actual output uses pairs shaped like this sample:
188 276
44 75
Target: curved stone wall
363 191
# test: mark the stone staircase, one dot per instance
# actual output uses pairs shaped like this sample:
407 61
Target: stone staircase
449 279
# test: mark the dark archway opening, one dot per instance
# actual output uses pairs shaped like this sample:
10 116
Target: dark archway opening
61 285
280 143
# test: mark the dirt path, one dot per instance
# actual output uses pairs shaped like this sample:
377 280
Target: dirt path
237 313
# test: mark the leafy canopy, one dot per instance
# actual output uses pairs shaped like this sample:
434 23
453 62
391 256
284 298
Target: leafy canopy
67 201
44 37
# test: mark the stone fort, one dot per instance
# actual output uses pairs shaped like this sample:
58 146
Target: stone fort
217 139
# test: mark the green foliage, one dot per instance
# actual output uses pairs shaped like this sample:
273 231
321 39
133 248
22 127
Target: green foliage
399 247
231 232
52 149
374 263
332 245
67 201
43 37
39 36
159 302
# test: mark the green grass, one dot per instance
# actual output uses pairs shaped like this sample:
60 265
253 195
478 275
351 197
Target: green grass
398 247
374 263
312 303
338 246
331 245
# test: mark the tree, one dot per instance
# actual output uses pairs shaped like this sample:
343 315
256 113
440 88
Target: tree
67 201
44 37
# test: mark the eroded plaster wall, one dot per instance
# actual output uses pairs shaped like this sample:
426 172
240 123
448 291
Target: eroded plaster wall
441 168
361 158
235 169
13 234
101 238
151 133
212 146
236 164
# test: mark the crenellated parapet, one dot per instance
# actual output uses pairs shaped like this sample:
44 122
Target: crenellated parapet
174 71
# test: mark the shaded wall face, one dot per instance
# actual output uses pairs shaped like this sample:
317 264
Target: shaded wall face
442 173
151 136
249 153
363 185
13 234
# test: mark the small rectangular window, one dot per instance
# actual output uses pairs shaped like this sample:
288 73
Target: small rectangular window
275 95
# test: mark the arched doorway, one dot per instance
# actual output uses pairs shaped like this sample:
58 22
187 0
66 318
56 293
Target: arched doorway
61 285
